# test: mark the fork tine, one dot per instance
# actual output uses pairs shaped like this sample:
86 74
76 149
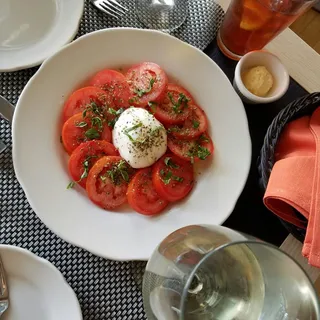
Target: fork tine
107 7
100 7
112 7
118 4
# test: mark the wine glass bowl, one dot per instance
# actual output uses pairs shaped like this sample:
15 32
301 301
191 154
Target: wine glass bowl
214 273
165 15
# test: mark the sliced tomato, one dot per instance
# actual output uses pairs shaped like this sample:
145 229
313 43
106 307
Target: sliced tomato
107 182
193 126
81 99
115 84
85 156
175 107
147 82
79 129
172 177
142 196
192 150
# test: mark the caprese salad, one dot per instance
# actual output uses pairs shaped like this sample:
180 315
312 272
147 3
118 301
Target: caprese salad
133 137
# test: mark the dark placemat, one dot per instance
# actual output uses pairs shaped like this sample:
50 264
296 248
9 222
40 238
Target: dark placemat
250 215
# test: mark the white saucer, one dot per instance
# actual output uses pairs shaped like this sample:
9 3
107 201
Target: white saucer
37 289
32 30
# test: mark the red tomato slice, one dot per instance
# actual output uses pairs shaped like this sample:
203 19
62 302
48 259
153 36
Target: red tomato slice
85 156
172 177
194 125
142 196
80 99
147 82
175 107
115 84
79 129
192 150
106 186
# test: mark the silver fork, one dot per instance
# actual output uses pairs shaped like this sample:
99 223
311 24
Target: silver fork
111 7
4 291
6 112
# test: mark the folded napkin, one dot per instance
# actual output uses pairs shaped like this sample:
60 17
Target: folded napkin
295 181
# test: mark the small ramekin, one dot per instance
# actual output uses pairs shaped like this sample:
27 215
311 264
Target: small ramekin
275 67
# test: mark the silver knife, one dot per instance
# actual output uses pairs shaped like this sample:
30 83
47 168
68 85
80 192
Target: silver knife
6 109
6 112
4 290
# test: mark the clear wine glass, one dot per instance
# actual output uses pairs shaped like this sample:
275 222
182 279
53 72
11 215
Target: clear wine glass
214 273
165 15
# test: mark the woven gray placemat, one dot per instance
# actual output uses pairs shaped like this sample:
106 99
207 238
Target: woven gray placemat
106 289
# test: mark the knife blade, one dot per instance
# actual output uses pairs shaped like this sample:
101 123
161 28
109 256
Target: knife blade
6 109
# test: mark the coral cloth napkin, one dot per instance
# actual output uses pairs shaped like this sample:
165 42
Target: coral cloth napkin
295 181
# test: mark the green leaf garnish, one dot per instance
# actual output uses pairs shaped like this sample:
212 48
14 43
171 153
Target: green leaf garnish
141 92
81 124
85 165
153 106
203 138
119 173
203 152
71 185
94 108
166 176
128 130
97 122
182 100
116 113
195 124
92 133
169 163
176 178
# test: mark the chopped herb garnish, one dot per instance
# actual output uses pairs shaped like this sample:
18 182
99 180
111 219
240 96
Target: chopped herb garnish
176 178
183 99
92 133
119 172
94 108
85 165
153 106
166 176
97 122
71 185
198 151
203 152
141 92
81 124
169 163
195 124
126 131
203 138
116 113
173 129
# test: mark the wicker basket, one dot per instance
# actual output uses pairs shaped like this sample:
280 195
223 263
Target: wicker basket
294 110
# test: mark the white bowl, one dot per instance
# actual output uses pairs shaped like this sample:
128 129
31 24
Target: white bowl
273 65
37 289
32 30
41 164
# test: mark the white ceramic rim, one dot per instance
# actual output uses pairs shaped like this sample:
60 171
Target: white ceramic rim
50 266
15 157
246 93
42 58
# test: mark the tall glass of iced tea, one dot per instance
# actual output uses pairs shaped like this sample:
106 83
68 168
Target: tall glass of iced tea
250 24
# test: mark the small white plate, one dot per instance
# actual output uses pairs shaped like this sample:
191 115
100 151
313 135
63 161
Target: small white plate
32 30
41 164
37 289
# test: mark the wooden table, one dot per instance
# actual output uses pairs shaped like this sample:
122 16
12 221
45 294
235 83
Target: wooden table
303 64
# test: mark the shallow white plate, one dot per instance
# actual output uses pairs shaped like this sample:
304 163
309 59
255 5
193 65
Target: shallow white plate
32 30
37 289
41 164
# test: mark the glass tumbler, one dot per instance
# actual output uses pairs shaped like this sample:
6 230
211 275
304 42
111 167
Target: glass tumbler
205 272
250 24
